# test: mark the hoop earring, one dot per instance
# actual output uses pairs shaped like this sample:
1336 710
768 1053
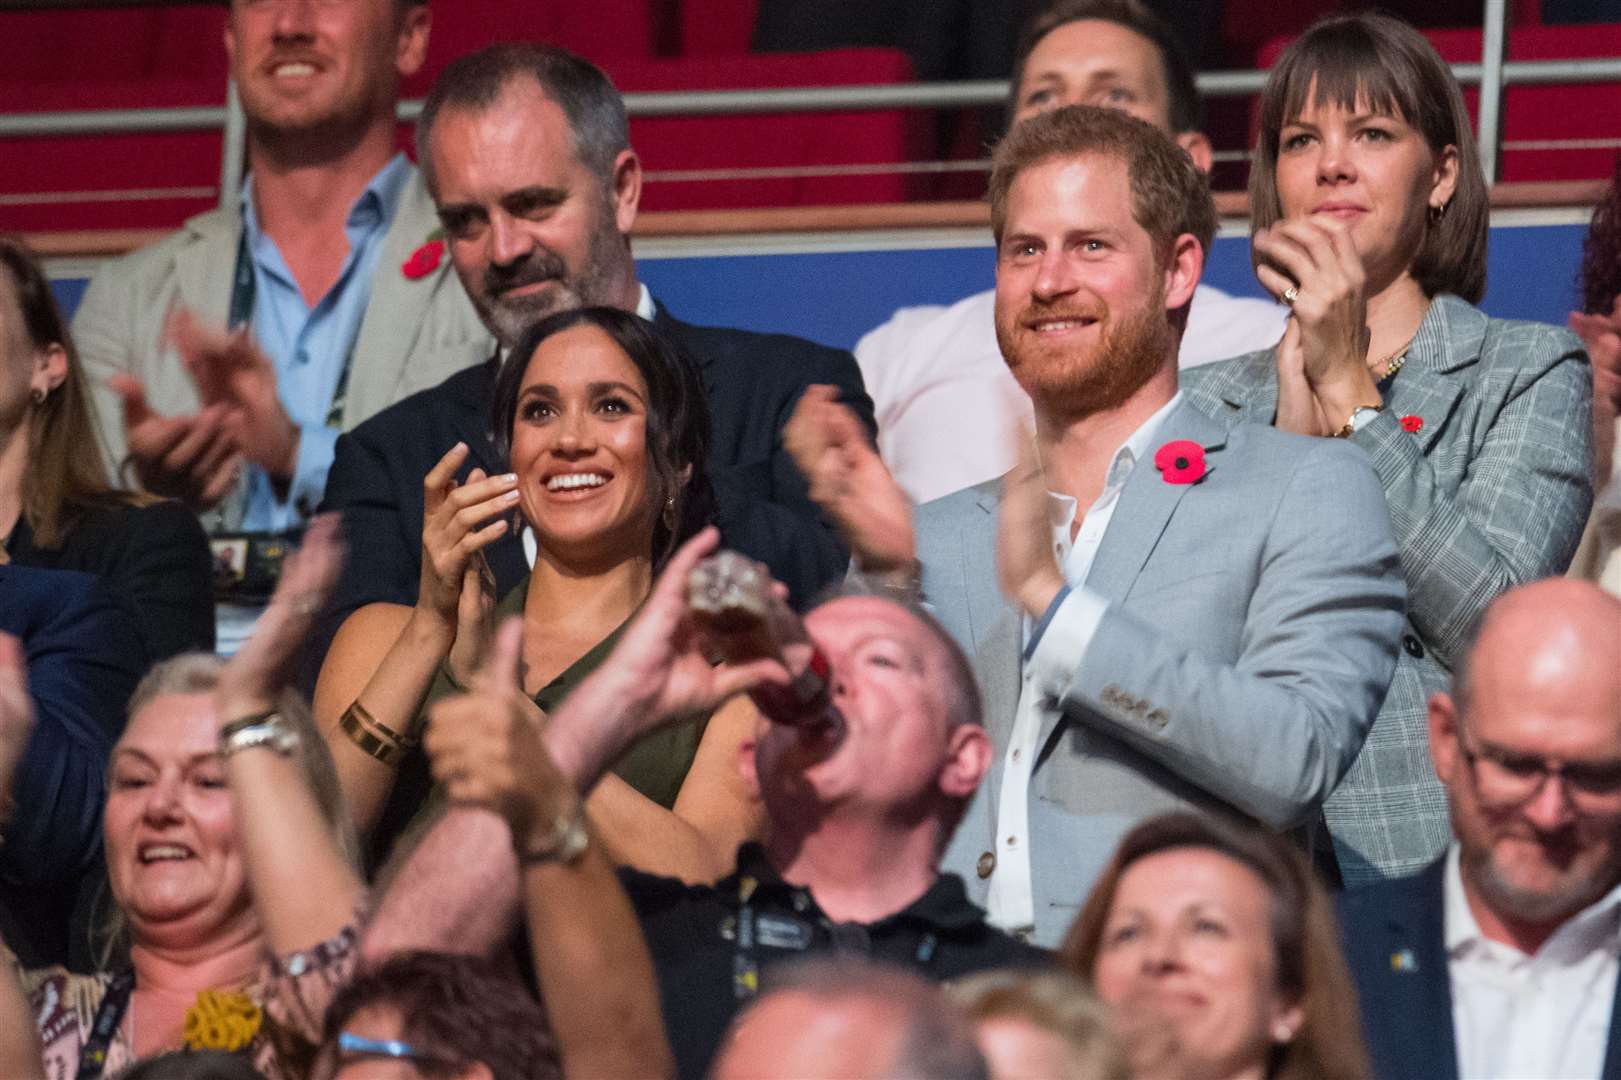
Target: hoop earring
1438 213
669 513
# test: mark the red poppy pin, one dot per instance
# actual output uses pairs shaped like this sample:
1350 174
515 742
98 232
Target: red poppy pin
425 259
1412 424
1180 462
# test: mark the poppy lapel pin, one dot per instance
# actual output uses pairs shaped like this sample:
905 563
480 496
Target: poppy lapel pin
425 259
1180 461
1412 424
1403 960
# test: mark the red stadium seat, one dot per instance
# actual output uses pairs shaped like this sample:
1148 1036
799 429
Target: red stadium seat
1534 116
685 145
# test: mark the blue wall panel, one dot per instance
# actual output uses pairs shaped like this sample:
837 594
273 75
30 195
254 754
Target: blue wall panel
835 297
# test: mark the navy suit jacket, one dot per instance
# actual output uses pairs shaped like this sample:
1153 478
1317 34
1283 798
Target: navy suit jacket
752 381
1395 944
85 653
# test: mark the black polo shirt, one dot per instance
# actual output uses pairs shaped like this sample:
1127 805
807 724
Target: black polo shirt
706 971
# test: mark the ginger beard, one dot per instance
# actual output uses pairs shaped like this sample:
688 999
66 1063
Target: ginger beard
1068 382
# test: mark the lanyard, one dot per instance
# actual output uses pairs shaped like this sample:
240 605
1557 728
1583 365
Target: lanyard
244 293
93 1055
746 965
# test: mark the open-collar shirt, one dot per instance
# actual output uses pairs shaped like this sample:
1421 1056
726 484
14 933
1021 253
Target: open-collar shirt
1053 648
310 345
1545 1015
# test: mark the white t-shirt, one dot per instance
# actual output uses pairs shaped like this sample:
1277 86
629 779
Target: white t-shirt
949 410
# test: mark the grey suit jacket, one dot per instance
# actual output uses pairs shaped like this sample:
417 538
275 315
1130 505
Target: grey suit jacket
414 335
1251 632
1491 491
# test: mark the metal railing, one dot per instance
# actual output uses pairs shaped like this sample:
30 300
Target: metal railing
1493 74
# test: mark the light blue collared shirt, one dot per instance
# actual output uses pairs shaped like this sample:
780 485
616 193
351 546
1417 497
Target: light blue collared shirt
310 346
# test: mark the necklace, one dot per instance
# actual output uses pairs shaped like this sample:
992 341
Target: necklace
1394 362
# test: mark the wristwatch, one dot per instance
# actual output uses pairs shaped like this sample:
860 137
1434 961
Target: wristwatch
270 730
1361 417
565 843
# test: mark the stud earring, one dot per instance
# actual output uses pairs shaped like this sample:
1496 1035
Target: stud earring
669 513
1283 1032
39 395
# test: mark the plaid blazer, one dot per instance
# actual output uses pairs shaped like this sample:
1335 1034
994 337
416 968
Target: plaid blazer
1491 490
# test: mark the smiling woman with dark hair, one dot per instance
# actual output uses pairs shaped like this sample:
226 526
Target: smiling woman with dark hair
1369 211
606 427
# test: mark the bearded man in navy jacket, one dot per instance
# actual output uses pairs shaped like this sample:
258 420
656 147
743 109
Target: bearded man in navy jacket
525 148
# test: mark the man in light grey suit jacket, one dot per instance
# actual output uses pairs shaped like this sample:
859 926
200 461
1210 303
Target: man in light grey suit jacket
1186 614
340 278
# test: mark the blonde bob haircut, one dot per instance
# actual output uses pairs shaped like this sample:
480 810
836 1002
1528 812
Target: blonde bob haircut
1380 63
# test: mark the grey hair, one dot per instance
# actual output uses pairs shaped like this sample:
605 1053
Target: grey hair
477 81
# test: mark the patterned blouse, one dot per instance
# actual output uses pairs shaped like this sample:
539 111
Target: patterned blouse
293 991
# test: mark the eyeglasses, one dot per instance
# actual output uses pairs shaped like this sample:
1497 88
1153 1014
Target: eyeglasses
390 1048
1505 780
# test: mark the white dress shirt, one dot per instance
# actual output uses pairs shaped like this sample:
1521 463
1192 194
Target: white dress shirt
1545 1016
1048 669
949 410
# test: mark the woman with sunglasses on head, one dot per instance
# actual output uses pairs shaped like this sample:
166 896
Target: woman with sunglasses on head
1369 217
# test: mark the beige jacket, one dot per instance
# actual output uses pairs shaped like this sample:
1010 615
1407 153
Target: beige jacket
415 332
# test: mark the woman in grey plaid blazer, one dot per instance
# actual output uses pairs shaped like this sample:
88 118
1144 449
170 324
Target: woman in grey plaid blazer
1369 212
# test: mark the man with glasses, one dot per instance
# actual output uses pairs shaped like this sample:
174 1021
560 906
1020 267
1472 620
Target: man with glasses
1500 960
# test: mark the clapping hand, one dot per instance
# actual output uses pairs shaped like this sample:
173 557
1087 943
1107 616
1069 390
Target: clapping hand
1024 539
850 482
190 458
263 667
1316 265
1602 335
456 587
233 374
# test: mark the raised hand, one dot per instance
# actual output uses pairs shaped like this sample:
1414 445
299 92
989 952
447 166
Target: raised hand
1024 540
1298 410
16 714
1320 261
1601 334
661 663
456 526
232 372
486 746
850 483
264 666
190 458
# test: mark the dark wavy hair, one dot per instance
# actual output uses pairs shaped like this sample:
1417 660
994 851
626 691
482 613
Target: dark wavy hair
458 1010
1305 936
677 415
1599 280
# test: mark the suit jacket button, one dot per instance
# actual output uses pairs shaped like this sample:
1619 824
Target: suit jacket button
1414 647
987 863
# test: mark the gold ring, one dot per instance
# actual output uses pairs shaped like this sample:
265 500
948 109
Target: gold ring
1290 295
